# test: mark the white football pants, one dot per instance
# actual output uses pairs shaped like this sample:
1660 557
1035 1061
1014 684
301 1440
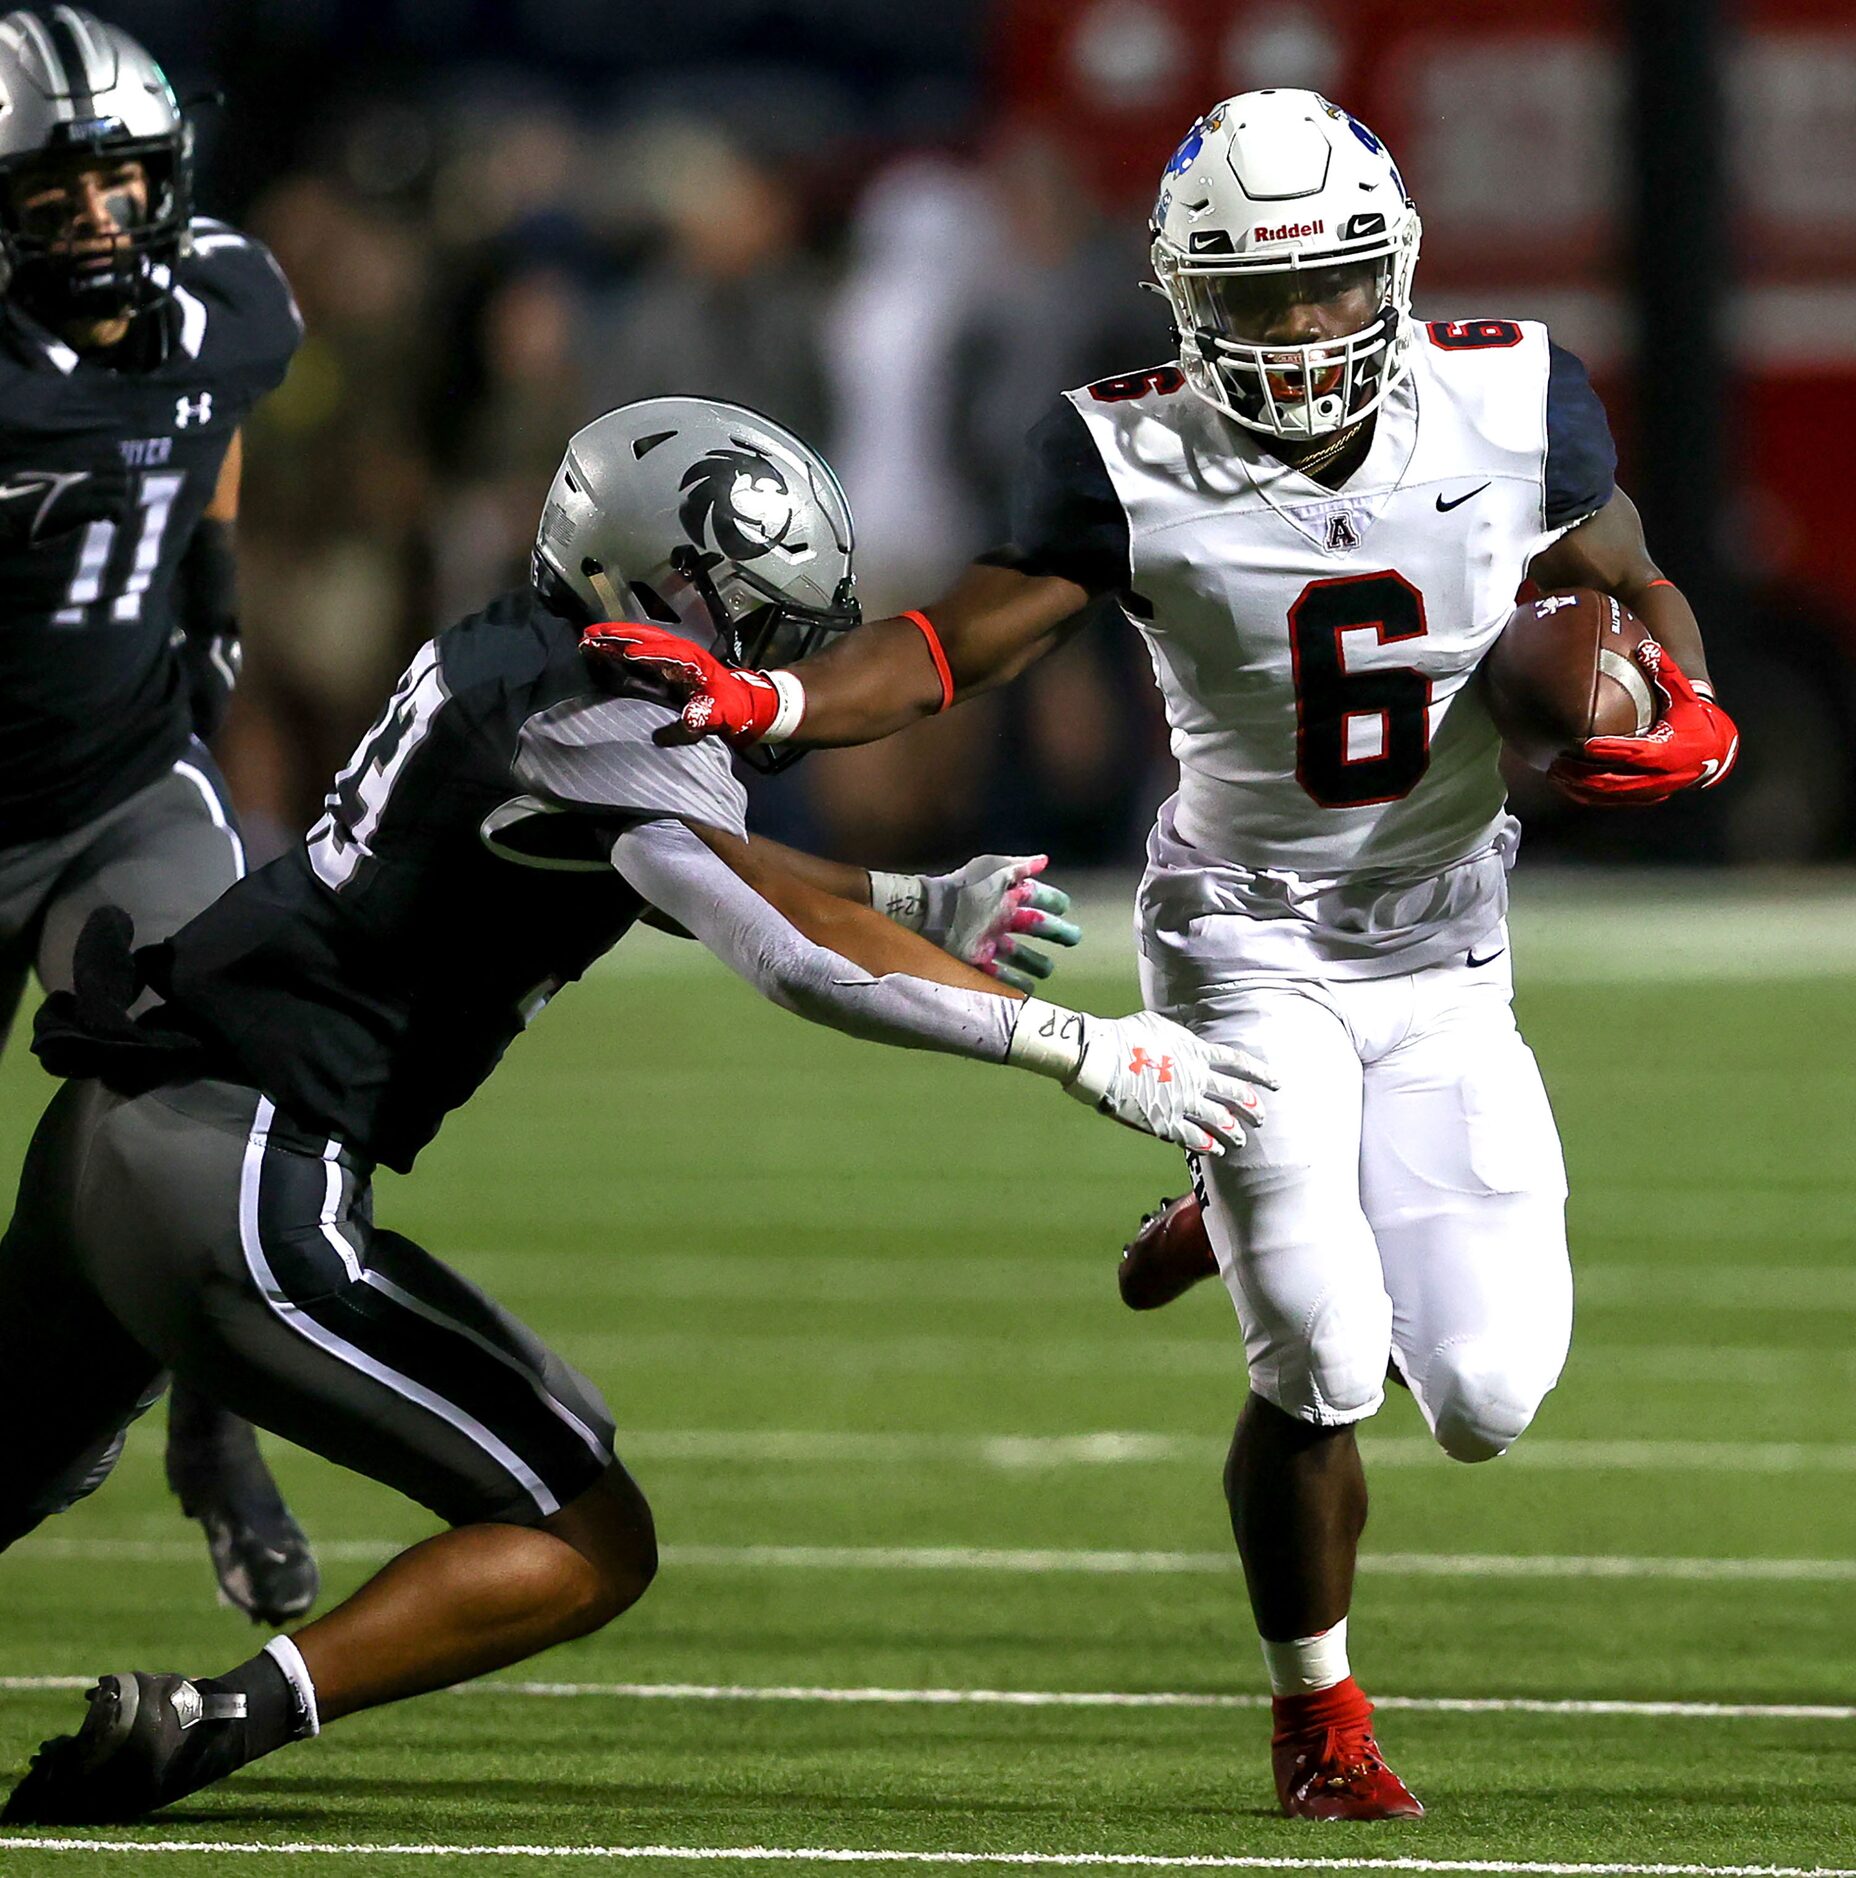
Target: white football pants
1405 1199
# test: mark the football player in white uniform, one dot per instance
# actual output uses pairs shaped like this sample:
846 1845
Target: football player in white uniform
1317 517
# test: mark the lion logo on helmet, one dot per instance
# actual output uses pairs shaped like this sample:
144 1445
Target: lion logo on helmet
737 501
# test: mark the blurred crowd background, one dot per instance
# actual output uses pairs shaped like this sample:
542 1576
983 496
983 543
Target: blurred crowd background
903 230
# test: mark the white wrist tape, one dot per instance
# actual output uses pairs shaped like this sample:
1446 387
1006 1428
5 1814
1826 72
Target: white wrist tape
901 897
792 707
1047 1040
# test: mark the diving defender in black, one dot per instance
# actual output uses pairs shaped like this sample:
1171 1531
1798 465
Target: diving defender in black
369 979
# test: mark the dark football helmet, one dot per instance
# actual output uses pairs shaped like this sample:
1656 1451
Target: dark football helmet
78 95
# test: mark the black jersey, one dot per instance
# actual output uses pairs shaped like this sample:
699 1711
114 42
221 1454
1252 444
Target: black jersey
107 463
369 980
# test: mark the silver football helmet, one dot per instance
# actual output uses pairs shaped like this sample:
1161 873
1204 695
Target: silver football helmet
74 92
705 517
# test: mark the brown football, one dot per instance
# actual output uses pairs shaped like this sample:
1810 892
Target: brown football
1565 669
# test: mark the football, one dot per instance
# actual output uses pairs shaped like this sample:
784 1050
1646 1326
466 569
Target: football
1564 669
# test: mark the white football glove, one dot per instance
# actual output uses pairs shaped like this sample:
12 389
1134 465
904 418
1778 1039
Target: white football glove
1147 1072
979 911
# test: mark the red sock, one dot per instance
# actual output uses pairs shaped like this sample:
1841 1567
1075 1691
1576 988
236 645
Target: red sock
1327 1708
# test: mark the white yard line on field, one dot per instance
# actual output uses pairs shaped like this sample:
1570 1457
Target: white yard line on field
1045 1560
1118 1447
1040 1560
1083 1699
843 1855
816 1281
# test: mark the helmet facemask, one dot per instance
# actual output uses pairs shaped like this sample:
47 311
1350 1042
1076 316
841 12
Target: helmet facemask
43 259
1281 387
756 626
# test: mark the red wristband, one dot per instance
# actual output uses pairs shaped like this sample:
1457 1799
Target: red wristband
928 632
1659 582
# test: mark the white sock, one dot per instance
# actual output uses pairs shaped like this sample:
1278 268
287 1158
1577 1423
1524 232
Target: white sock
289 1659
1305 1664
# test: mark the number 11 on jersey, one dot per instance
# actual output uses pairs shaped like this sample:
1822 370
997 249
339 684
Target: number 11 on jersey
155 501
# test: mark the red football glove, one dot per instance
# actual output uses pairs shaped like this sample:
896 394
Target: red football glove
716 699
1691 746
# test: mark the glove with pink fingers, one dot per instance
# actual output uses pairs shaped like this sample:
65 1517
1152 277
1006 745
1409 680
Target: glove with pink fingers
982 913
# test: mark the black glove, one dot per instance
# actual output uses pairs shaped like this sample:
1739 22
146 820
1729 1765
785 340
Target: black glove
211 662
206 641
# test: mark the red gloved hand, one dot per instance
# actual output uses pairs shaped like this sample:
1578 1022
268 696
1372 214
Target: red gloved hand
1692 745
716 699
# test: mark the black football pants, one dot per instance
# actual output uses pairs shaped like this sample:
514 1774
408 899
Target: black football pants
196 1229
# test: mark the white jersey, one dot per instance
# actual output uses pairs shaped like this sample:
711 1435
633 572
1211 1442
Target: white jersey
1339 782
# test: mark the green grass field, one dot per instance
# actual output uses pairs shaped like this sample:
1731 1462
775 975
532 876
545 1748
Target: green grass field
855 1313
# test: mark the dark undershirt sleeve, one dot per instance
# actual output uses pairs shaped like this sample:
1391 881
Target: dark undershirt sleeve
1066 518
1582 461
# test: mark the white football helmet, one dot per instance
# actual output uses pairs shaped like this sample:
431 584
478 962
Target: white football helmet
1278 199
705 517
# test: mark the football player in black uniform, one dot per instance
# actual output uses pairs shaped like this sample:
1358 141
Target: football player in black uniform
133 340
200 1201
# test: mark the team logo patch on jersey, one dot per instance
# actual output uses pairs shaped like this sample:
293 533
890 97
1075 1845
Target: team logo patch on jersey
1338 526
737 501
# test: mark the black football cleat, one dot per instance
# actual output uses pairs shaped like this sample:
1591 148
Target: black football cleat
146 1742
1169 1255
260 1554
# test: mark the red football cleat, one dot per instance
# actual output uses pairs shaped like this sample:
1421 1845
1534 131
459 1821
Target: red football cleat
1169 1254
1327 1764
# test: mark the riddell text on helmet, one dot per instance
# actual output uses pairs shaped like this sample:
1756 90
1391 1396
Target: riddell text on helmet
1289 231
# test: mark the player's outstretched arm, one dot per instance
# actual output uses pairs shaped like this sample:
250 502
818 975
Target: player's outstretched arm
845 965
982 912
1693 743
872 682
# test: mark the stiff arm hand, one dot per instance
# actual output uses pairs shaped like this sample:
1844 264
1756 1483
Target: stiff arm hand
887 674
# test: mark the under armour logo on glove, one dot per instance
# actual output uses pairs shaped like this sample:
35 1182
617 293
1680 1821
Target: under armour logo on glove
1140 1063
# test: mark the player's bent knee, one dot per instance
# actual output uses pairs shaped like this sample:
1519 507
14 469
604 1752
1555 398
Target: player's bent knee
611 1528
1349 1338
1479 1407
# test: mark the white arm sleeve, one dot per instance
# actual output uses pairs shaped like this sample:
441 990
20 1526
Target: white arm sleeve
676 873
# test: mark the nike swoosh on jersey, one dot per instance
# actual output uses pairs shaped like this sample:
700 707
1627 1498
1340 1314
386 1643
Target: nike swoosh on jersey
1474 962
47 485
1456 502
